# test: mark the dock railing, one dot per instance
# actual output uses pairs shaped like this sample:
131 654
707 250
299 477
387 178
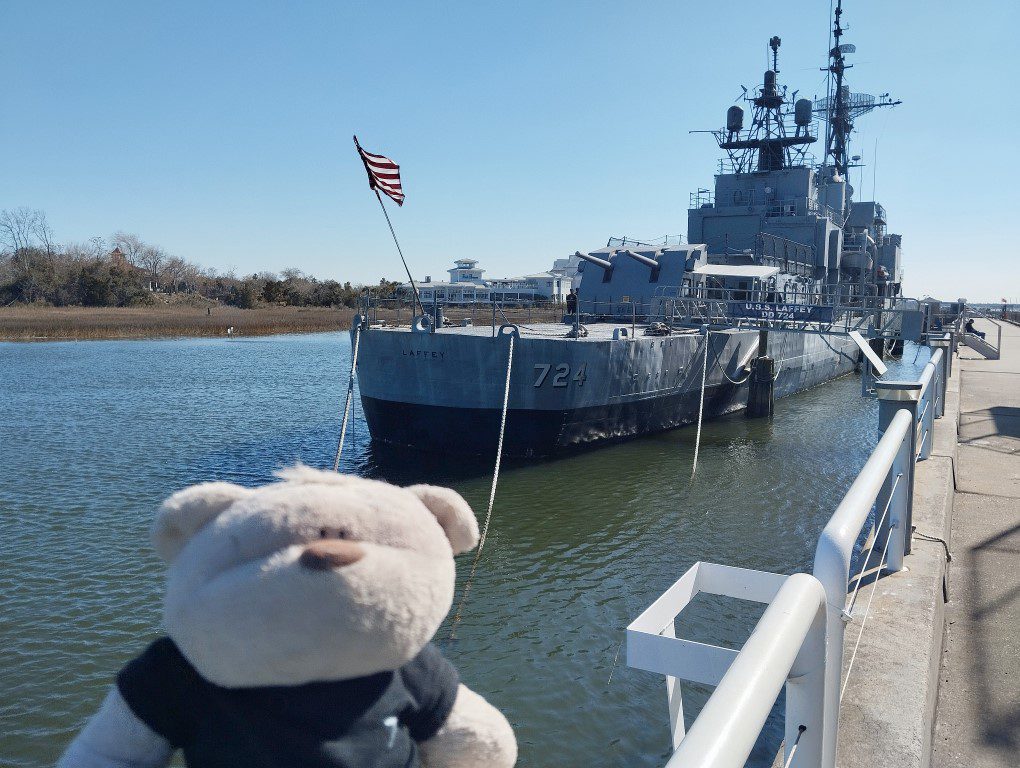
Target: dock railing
799 641
981 344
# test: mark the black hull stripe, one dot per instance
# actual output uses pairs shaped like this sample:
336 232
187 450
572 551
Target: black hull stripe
534 433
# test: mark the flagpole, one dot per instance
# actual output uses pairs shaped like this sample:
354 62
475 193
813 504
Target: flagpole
414 288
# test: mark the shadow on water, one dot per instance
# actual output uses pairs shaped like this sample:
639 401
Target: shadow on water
95 435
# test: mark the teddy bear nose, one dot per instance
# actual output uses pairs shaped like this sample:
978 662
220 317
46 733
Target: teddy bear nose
330 553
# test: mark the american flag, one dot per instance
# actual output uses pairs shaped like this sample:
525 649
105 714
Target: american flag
383 174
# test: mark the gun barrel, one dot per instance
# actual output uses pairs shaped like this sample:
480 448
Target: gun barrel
594 260
652 263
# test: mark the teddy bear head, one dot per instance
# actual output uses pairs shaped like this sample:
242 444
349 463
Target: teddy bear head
319 577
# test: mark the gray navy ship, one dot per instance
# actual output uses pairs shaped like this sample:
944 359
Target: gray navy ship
662 331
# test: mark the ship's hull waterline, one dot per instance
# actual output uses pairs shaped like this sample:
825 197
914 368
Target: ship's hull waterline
444 391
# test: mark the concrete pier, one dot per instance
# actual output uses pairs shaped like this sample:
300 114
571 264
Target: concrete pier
936 682
978 717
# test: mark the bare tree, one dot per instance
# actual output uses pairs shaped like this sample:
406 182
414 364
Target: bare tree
88 252
132 246
17 229
153 260
176 271
44 232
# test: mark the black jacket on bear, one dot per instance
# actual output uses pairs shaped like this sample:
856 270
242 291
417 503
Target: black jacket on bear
367 722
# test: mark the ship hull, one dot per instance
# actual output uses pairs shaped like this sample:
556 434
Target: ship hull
444 391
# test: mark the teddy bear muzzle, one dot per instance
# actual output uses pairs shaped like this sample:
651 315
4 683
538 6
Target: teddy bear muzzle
330 554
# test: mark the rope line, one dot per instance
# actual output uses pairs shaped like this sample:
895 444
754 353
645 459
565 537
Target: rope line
722 369
793 749
860 576
347 402
867 612
701 404
492 494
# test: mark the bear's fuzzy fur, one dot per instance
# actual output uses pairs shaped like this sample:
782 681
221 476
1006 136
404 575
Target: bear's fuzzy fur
319 577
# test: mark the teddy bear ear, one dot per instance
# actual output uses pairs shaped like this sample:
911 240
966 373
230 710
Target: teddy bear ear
182 515
453 513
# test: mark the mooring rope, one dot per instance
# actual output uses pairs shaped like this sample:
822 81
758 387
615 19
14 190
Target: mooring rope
347 402
492 494
701 404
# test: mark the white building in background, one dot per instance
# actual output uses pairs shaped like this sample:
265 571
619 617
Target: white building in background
467 285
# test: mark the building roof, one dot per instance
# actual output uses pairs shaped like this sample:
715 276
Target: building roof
736 270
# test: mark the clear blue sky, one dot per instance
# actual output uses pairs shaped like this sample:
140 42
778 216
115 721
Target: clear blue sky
222 130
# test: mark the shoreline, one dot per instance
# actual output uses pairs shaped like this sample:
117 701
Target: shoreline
41 324
27 324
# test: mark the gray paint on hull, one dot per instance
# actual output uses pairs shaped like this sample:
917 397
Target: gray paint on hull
554 375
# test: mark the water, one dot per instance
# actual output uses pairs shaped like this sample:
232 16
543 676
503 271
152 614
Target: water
94 435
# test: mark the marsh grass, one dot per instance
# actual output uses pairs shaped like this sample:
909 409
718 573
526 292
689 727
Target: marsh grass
35 323
40 323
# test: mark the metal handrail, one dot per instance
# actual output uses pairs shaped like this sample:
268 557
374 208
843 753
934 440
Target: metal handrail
748 683
998 328
892 456
788 641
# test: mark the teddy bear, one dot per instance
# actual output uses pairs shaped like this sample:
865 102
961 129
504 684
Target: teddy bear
299 617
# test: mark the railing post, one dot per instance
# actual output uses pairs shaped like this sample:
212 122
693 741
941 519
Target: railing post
947 345
805 697
898 492
894 396
932 402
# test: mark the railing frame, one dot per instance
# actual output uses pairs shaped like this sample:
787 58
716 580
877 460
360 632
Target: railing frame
749 680
787 647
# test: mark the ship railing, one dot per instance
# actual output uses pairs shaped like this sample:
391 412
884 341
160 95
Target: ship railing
799 642
662 241
788 255
829 311
983 345
401 311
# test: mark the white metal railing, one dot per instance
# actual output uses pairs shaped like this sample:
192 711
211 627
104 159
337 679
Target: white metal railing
799 641
980 343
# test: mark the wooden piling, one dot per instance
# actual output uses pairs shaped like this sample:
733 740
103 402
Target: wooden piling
761 383
761 388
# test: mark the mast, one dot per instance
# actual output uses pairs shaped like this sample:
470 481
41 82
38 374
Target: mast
838 121
840 106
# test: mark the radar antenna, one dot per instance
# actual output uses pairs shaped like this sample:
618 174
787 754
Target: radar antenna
770 140
842 108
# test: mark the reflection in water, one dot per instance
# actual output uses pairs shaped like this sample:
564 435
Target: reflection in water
94 435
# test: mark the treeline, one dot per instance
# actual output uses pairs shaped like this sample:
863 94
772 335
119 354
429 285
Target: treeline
123 270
